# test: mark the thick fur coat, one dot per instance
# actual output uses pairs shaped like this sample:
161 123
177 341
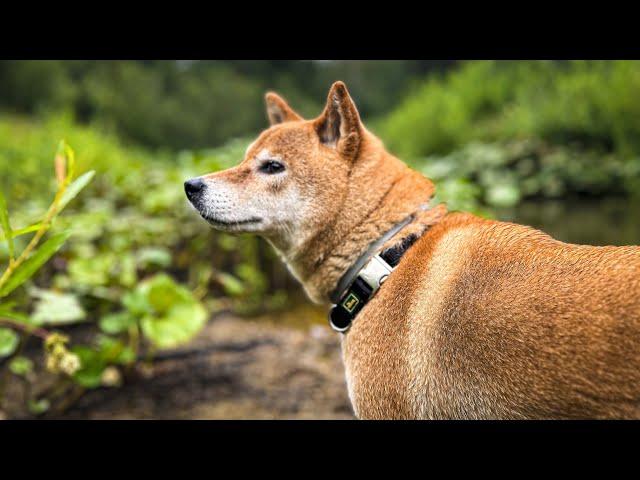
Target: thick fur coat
480 319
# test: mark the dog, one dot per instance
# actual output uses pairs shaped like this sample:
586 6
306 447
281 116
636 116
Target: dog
470 319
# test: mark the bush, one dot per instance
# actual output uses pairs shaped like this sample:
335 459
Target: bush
501 174
587 104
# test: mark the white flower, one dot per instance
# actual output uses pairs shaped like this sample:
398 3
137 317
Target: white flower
69 363
111 377
52 364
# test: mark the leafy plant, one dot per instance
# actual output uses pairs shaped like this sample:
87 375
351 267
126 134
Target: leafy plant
166 313
99 362
591 104
23 265
501 174
157 311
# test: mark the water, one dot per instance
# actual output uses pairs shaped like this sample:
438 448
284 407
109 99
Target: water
607 221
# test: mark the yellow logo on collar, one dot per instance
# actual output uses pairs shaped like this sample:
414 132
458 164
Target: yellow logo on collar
351 302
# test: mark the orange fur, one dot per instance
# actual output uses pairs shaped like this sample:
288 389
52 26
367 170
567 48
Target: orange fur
481 319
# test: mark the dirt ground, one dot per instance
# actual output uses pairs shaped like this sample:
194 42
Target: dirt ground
235 369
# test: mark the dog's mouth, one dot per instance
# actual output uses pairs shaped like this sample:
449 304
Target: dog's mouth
223 224
231 224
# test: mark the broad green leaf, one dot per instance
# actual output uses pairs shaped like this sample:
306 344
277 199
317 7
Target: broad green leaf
163 292
74 189
117 322
53 308
21 366
5 225
176 317
33 263
8 342
136 303
181 323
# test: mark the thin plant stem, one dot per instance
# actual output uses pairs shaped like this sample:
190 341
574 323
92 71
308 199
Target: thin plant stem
29 329
46 225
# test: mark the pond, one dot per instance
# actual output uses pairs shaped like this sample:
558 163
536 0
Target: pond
604 221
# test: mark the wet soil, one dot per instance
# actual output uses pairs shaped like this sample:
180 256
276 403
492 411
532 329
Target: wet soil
234 369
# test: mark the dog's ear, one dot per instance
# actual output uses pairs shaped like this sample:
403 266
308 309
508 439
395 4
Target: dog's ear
339 124
278 110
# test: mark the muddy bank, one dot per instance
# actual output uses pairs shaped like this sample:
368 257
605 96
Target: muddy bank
235 369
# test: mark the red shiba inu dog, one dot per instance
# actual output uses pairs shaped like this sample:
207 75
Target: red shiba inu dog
443 315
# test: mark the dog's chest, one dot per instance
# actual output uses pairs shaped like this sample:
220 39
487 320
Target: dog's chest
389 351
376 368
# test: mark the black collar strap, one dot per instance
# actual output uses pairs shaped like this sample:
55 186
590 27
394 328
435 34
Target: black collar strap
361 281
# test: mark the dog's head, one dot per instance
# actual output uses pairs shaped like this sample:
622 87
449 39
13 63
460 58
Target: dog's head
293 178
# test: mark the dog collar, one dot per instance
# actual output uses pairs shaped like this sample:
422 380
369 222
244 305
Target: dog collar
361 281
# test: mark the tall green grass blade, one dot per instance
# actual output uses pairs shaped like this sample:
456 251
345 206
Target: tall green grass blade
33 263
5 225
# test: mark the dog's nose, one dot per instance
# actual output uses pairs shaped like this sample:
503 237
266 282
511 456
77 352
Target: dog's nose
193 186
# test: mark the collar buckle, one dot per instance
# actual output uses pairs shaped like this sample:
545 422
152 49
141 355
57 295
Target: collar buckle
366 284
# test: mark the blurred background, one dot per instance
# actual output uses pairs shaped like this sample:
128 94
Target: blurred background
170 319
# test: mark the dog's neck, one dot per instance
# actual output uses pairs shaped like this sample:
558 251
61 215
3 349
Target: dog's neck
383 191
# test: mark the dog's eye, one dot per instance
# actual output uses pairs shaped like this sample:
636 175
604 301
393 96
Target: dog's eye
271 166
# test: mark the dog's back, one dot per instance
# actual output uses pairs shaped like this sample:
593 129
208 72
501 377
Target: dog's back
480 319
487 319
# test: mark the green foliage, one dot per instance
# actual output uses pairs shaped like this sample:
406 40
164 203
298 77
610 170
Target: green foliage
154 256
231 284
501 174
51 308
585 113
195 104
594 104
125 226
33 257
21 366
7 310
26 269
169 314
6 226
75 188
116 323
96 359
8 342
142 271
123 233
